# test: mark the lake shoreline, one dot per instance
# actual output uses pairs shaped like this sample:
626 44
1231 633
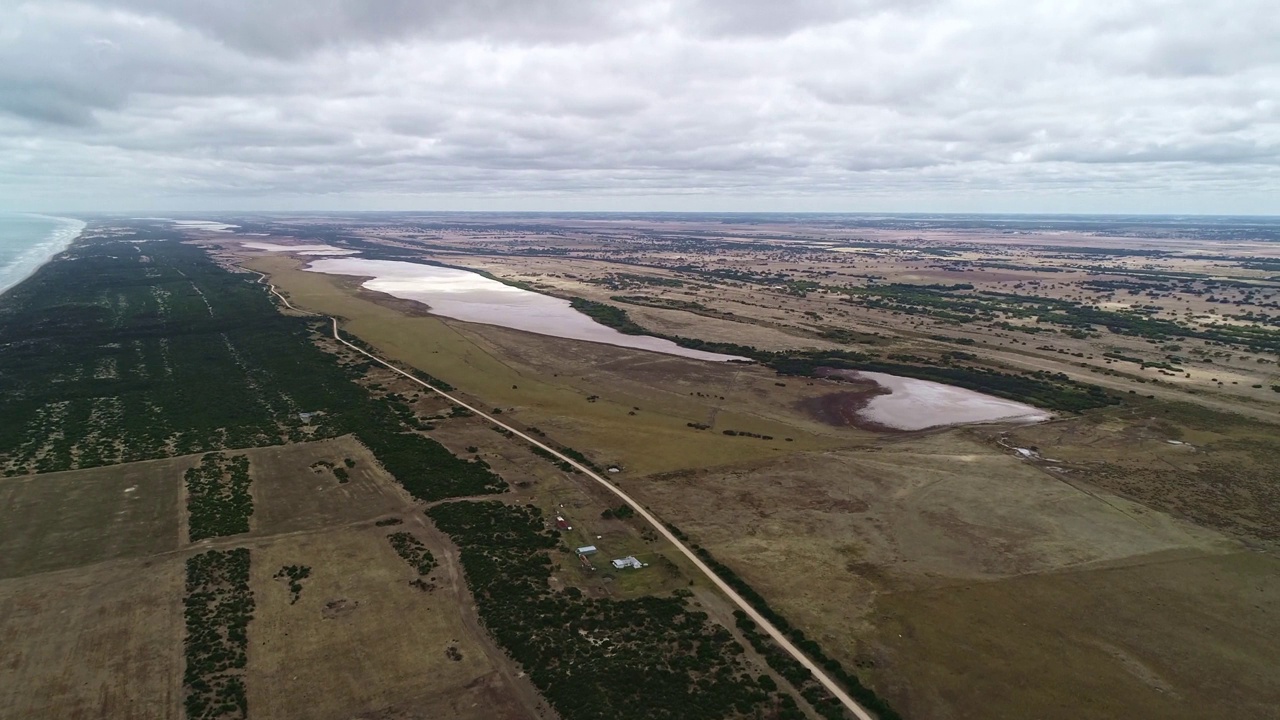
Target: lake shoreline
469 296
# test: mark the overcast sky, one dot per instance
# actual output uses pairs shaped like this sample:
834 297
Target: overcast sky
868 105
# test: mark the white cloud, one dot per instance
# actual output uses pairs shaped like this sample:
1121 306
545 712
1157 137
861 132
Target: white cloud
809 104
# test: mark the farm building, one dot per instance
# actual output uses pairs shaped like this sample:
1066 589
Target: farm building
627 562
587 550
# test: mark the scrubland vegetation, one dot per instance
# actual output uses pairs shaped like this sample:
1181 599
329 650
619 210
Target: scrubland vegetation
200 360
218 608
218 499
1054 391
412 551
650 657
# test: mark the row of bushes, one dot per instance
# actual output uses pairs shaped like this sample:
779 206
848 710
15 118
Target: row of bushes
218 499
217 609
412 551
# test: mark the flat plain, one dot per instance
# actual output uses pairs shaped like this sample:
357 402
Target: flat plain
920 558
1116 561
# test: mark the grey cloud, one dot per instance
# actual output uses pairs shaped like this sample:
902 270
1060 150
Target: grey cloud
61 62
765 18
811 103
291 27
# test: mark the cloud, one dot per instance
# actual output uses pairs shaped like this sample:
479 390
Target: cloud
816 104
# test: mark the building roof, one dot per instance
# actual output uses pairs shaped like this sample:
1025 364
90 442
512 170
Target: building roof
587 549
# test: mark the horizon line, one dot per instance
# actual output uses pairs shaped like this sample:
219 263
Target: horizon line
67 213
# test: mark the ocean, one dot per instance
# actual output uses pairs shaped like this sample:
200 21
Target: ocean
27 241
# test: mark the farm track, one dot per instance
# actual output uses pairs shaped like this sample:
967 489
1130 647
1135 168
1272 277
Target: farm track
778 637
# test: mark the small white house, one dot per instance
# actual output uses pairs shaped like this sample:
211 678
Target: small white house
627 562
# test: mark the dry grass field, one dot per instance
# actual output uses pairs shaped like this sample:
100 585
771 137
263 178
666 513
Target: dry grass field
361 641
292 492
99 641
1215 469
76 518
91 616
1188 637
964 581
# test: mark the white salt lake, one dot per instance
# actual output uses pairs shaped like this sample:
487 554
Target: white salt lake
299 249
210 225
471 297
913 404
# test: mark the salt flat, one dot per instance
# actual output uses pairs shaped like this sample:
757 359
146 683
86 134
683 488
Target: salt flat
913 404
210 225
468 296
299 249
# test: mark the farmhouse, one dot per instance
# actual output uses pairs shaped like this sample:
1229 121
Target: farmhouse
627 562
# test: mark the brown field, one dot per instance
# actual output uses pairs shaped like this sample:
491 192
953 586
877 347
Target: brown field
960 578
290 495
1166 638
1213 469
70 519
361 641
99 641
